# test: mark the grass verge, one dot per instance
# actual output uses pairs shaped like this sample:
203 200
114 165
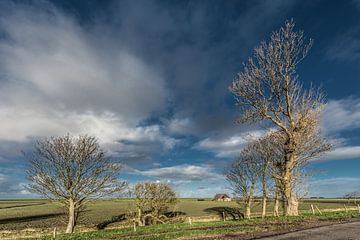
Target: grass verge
184 230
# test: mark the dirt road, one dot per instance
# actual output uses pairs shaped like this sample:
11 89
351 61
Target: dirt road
346 231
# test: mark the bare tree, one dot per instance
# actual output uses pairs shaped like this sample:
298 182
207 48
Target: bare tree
266 155
72 170
268 89
243 175
152 201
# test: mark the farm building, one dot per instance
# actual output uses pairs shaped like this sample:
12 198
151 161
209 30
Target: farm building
222 198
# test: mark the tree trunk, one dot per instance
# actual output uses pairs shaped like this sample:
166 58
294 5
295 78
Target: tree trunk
264 200
291 201
140 219
71 222
276 204
289 195
248 209
292 206
264 197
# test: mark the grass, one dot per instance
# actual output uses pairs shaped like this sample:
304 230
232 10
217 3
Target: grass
183 230
40 215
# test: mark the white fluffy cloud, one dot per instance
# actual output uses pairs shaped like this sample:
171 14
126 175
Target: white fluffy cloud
230 146
185 172
342 152
341 115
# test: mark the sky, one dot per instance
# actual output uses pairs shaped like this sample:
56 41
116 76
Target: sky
150 80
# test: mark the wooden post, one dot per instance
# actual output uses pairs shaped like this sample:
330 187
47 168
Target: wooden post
54 233
345 208
318 209
224 217
190 221
134 226
358 208
312 209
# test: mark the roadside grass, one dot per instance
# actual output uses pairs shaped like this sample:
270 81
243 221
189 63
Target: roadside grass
184 230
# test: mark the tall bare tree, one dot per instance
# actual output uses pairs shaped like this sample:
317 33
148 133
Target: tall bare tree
243 174
268 89
72 170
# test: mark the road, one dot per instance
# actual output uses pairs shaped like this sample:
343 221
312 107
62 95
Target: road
346 231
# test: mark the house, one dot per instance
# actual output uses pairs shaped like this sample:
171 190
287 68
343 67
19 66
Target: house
222 198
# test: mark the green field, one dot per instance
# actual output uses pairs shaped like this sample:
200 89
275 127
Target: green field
243 228
33 215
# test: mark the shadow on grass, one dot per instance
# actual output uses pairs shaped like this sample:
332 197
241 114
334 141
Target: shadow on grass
119 218
234 213
22 205
174 214
123 217
29 218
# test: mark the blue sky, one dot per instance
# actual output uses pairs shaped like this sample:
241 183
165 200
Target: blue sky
150 79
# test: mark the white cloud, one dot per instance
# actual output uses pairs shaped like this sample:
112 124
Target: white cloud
183 172
344 152
341 115
230 146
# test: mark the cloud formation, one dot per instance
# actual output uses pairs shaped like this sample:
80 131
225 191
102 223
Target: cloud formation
145 77
185 172
230 146
341 115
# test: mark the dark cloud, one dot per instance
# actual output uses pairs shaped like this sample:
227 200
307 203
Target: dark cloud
142 76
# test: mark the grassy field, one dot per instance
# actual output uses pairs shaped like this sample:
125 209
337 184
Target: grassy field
243 228
32 215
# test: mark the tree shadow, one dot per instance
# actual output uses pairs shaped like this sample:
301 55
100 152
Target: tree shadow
118 218
174 214
29 218
123 217
22 205
234 213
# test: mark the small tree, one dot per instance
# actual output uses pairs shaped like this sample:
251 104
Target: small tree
243 174
266 156
268 89
72 170
152 201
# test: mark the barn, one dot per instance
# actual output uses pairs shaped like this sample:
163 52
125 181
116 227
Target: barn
222 197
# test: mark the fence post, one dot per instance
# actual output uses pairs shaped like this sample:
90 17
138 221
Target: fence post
190 220
345 208
224 217
318 209
358 208
312 209
54 233
134 226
